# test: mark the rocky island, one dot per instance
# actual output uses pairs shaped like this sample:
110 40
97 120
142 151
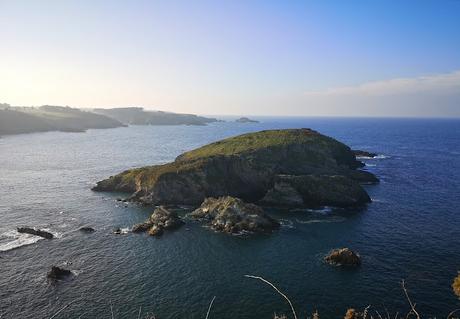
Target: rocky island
291 168
245 120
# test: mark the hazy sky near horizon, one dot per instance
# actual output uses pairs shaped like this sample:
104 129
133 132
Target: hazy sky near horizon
342 58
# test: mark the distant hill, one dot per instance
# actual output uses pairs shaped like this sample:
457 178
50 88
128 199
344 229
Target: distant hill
139 116
17 120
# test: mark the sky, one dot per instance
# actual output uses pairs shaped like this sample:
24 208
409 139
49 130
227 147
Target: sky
248 57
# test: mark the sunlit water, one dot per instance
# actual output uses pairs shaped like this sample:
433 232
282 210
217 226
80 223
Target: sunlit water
410 231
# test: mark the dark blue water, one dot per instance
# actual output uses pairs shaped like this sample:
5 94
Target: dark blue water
410 231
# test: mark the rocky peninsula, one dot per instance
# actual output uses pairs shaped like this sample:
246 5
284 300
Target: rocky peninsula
291 167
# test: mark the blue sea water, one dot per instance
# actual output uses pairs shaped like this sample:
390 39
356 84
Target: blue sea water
410 231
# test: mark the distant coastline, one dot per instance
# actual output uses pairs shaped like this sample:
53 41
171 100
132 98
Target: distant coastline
46 118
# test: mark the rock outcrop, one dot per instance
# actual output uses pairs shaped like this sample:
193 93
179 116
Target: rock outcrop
87 229
343 257
161 219
58 273
248 167
232 215
36 232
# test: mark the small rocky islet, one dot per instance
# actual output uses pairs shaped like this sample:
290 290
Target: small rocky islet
229 180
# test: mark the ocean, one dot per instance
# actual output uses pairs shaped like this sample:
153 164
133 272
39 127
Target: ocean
410 231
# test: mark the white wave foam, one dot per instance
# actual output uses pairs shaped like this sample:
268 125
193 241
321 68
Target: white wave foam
125 230
316 221
16 240
286 223
379 156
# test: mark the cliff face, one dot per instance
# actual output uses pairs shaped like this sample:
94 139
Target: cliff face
249 166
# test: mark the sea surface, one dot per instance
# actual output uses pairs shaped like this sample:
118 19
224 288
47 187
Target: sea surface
410 231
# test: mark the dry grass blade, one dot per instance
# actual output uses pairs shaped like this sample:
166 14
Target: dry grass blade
277 290
62 309
452 313
139 315
413 310
209 308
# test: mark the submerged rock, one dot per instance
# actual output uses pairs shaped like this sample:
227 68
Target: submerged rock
36 232
232 215
58 273
87 229
246 167
161 219
343 257
315 191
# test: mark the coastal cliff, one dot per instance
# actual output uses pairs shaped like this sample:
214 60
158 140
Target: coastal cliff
301 166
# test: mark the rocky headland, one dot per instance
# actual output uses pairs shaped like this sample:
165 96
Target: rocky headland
292 167
139 116
18 120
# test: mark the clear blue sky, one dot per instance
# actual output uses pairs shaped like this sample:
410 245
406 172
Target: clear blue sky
382 58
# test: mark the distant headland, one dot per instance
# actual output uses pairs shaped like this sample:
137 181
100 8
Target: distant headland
22 119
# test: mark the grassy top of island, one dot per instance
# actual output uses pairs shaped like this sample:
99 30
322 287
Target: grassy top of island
252 142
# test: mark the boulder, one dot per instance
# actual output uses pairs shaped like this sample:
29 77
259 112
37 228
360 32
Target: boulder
232 215
315 191
36 232
161 219
58 273
343 257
